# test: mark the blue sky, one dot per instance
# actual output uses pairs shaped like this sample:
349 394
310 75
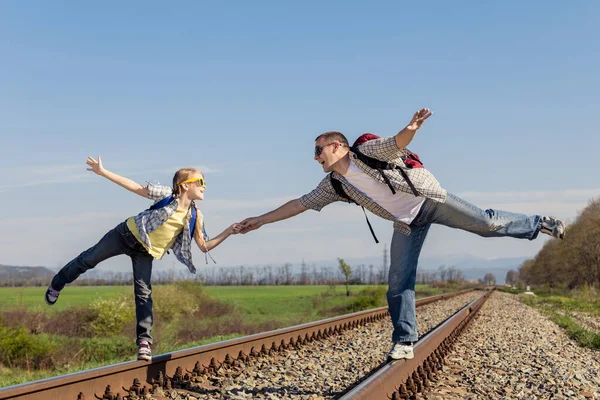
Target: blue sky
241 89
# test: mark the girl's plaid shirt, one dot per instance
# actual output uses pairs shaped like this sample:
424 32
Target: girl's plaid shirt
149 220
384 149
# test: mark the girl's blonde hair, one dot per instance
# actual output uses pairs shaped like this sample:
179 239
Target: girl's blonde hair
180 176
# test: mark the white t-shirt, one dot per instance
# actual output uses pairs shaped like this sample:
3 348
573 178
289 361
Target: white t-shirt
403 206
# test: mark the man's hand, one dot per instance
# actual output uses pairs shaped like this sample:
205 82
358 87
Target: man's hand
96 166
250 224
417 120
406 135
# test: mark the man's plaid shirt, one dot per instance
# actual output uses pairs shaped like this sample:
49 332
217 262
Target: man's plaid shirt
149 220
384 149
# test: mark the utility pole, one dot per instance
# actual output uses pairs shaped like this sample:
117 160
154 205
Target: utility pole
385 266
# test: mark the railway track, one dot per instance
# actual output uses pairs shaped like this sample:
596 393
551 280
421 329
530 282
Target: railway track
403 379
176 370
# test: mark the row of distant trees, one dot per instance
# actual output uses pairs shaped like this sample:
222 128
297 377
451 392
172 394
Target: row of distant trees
451 275
443 273
571 263
260 275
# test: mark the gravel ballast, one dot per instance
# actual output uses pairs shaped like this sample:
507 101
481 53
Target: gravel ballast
511 351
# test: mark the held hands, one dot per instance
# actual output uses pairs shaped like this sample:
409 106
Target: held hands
417 120
250 224
95 166
234 229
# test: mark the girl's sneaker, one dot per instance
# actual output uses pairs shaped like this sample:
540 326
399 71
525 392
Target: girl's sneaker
51 295
144 352
553 227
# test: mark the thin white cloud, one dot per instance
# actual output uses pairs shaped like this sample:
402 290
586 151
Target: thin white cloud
564 204
19 177
228 204
290 230
62 179
171 171
61 219
15 177
558 196
254 163
20 171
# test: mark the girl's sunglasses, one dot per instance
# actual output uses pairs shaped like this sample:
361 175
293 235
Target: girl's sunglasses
201 181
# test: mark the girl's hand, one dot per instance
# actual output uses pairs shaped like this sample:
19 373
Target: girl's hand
95 166
235 229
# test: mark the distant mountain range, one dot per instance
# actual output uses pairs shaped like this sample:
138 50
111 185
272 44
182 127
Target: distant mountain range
9 272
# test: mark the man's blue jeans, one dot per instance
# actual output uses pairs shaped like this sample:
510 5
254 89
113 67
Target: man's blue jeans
405 250
118 241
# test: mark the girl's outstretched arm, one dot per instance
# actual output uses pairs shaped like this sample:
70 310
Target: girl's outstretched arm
96 167
205 246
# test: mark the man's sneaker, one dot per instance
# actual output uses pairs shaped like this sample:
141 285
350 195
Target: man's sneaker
51 295
553 227
144 352
399 351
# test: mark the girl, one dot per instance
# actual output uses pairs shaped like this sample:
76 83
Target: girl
169 224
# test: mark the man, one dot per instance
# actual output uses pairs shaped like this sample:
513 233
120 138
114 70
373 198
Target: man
412 198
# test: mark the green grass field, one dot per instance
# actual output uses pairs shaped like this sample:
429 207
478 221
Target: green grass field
256 300
182 320
32 298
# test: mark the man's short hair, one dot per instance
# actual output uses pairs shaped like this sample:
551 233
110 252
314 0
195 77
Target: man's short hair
333 136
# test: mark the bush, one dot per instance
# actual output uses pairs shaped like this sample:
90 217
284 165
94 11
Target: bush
32 321
76 322
368 298
105 349
186 299
19 348
110 315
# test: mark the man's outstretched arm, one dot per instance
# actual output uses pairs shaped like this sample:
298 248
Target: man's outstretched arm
406 135
289 209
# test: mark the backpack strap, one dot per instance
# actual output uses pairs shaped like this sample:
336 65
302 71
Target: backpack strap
384 165
339 189
369 223
193 221
161 203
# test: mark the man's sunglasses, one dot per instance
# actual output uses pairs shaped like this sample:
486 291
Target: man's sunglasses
201 181
319 149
